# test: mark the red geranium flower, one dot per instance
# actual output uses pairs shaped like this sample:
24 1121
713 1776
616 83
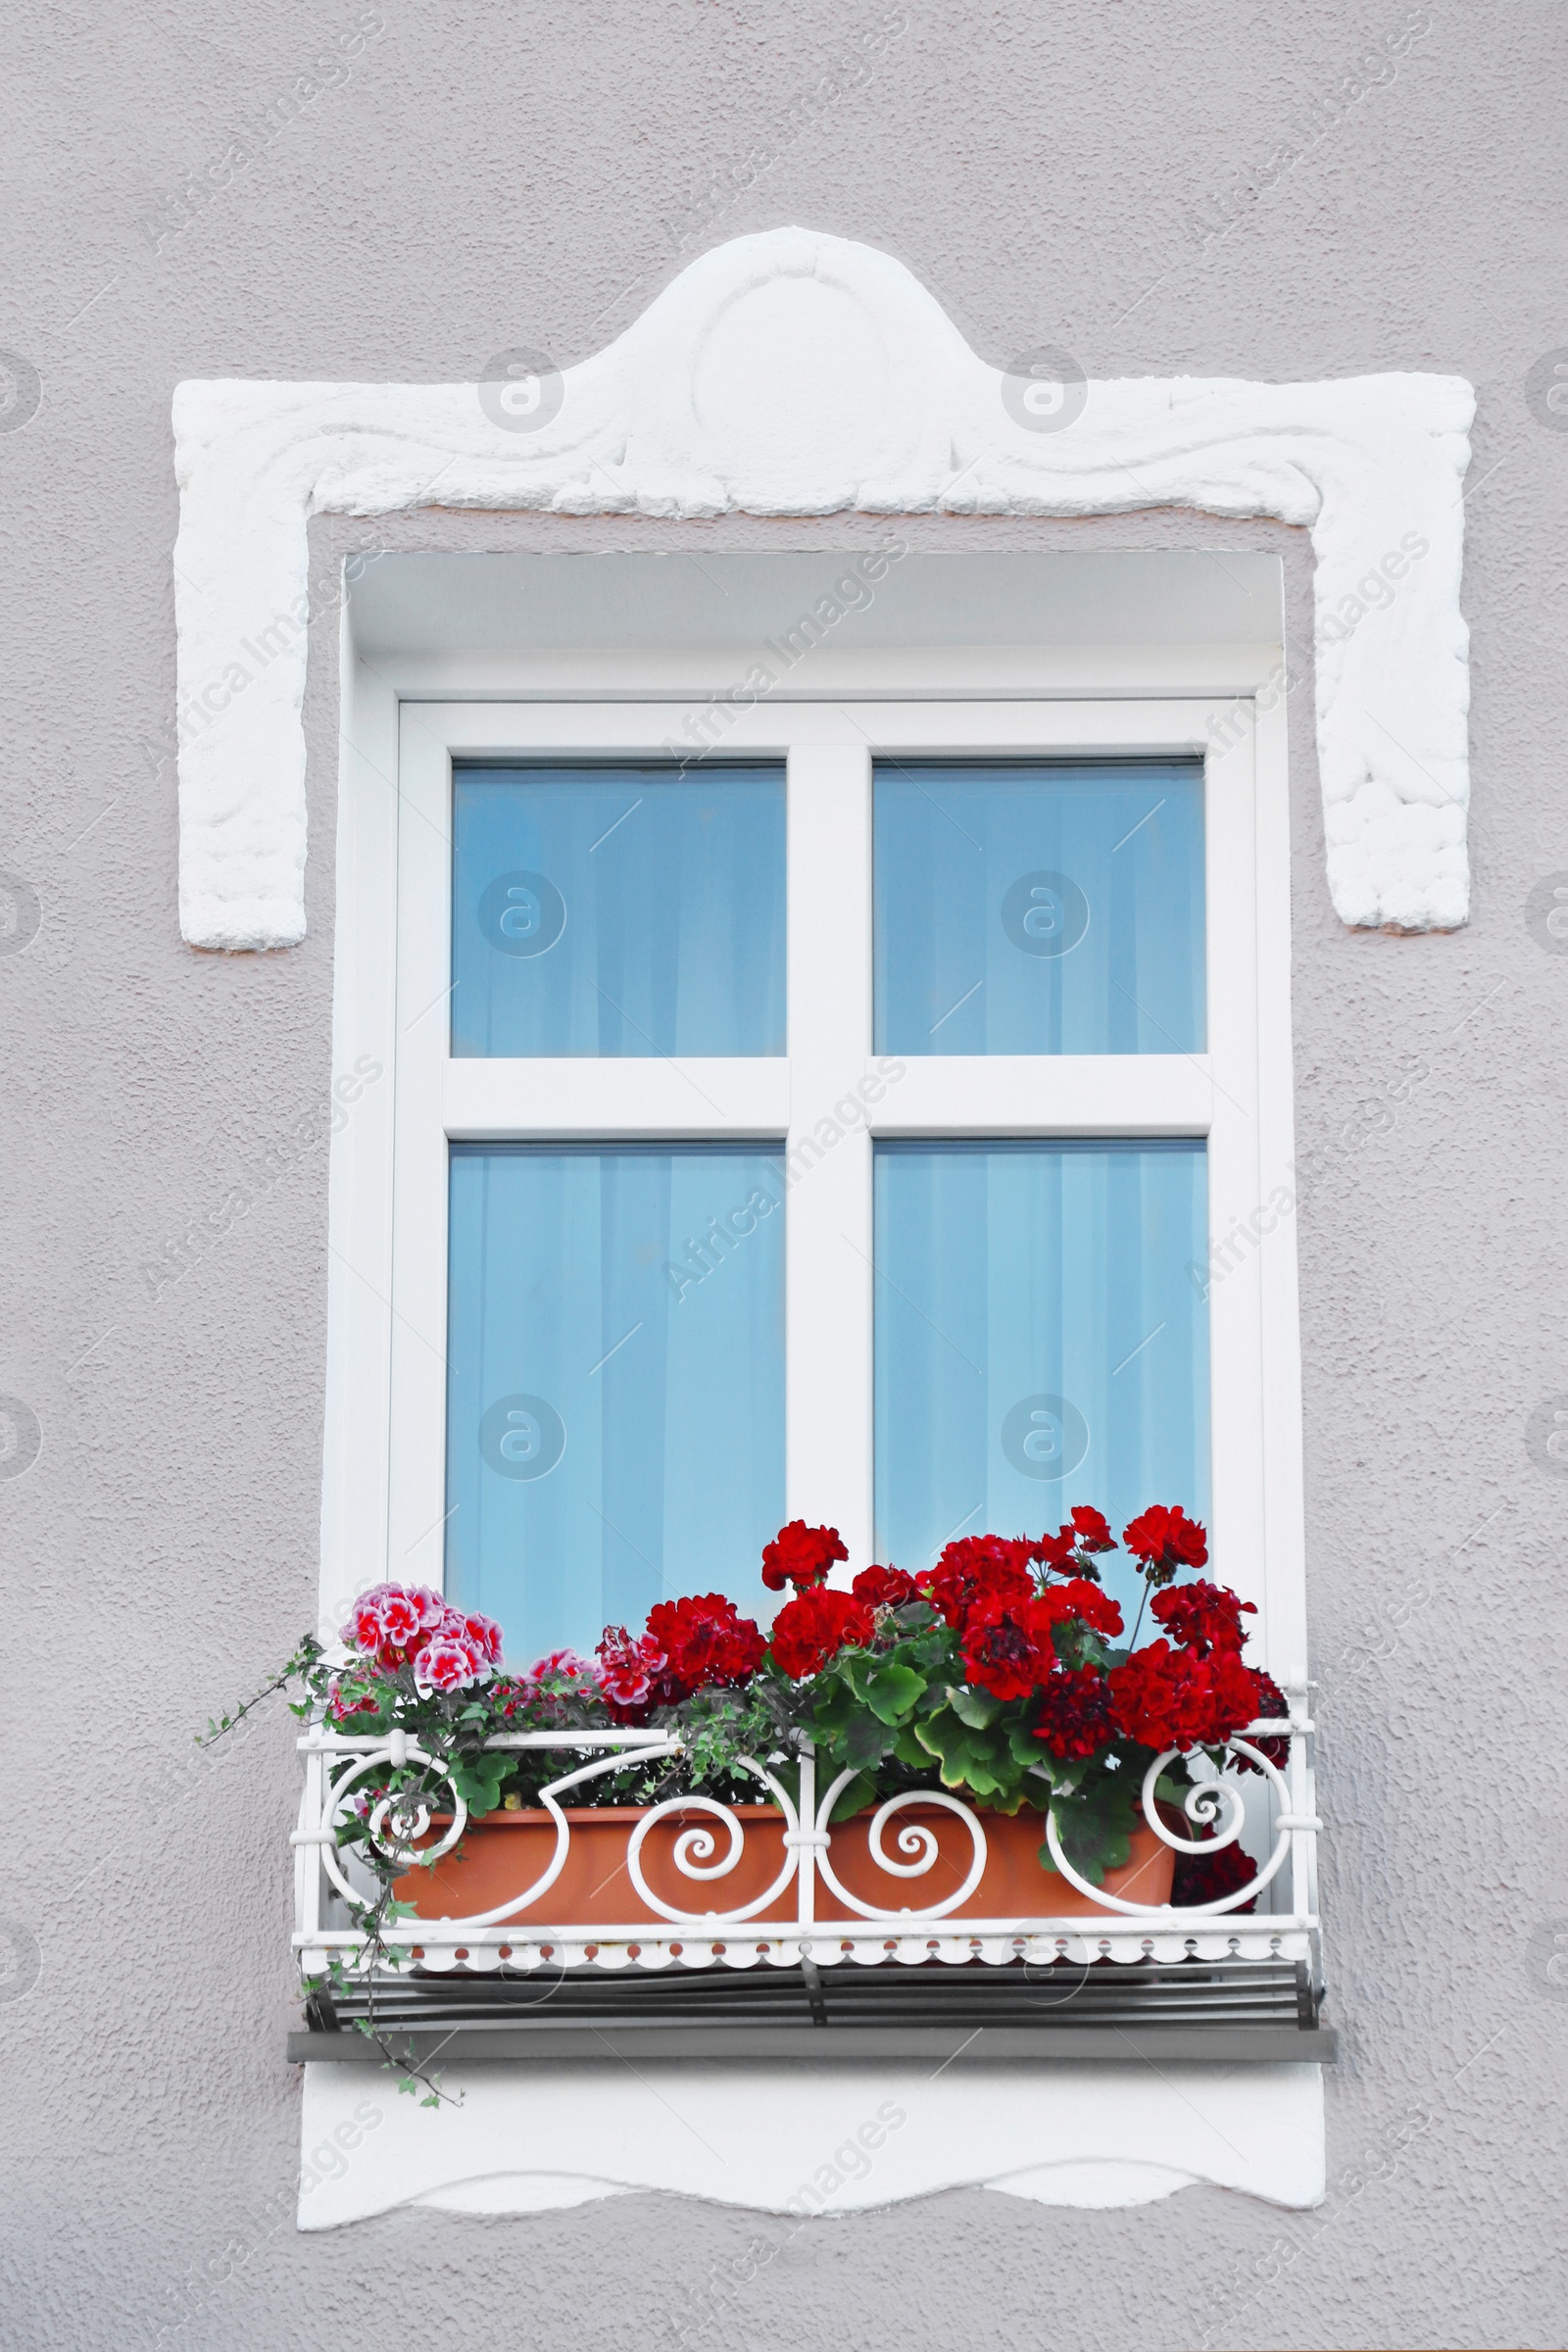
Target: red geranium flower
1235 1693
1075 1714
885 1588
1078 1597
801 1555
1274 1706
1166 1539
1209 1877
979 1569
810 1627
1167 1697
706 1641
1202 1617
1085 1532
1007 1646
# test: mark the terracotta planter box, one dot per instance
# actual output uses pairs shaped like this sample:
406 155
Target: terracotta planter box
506 1852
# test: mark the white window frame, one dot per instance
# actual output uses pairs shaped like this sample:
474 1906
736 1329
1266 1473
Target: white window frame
384 1504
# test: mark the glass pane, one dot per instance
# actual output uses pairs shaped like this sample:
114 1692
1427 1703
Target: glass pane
1041 1338
614 1384
618 910
1040 910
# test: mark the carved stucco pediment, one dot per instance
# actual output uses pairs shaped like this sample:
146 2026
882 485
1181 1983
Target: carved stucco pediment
793 373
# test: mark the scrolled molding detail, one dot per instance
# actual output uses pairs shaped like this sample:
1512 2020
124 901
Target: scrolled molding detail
796 374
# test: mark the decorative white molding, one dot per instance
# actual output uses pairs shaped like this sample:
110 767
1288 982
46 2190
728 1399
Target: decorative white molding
794 373
838 2140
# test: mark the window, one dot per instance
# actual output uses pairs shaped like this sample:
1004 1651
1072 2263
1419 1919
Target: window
610 1430
676 886
1039 1341
1033 908
826 1108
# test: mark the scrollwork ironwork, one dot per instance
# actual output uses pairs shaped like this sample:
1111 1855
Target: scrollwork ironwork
913 1839
695 1845
1206 1802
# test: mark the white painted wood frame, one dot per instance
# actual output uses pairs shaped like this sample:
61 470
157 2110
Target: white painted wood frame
384 1500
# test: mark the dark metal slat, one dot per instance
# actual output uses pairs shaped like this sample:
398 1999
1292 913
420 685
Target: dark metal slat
1217 2011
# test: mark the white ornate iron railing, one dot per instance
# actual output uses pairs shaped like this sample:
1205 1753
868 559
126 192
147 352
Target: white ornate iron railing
1272 1917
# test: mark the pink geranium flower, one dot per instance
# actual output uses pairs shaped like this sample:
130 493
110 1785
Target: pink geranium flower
363 1628
444 1664
485 1636
401 1621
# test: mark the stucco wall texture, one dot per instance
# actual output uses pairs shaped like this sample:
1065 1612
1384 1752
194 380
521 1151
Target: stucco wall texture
485 177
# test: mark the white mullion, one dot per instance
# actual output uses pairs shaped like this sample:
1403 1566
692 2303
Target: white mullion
829 1240
1048 1094
581 1100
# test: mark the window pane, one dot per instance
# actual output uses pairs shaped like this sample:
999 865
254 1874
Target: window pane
1040 910
1041 1338
618 910
616 1383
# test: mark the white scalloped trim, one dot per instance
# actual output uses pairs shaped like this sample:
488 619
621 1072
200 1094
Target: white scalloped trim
795 373
836 2140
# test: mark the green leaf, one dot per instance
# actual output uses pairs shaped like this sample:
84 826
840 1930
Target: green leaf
854 1797
910 1750
1026 1751
855 1667
1014 1800
979 1710
968 1759
1065 1778
891 1690
865 1743
477 1780
834 1707
1096 1825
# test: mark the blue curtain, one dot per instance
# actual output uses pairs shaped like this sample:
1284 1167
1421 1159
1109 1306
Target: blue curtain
1040 909
616 1383
618 910
1041 1338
